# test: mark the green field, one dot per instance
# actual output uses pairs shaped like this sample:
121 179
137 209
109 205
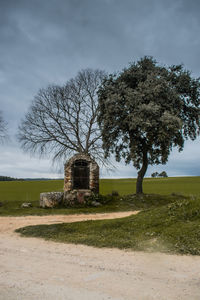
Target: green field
169 220
14 193
163 186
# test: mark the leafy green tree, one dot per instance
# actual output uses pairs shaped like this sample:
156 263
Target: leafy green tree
155 174
163 174
145 111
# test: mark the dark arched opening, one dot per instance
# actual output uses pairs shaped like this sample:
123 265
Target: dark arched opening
80 174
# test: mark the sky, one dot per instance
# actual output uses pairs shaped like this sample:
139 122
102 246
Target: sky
49 41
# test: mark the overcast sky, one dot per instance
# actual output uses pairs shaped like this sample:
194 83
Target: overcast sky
49 41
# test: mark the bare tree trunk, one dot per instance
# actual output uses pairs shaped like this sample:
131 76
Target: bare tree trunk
141 173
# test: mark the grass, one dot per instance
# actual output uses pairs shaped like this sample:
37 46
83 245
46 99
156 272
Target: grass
13 194
168 222
172 227
162 186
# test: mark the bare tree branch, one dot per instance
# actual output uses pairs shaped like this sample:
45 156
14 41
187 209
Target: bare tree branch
62 120
3 128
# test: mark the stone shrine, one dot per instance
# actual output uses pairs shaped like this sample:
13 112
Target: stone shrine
80 181
81 178
81 173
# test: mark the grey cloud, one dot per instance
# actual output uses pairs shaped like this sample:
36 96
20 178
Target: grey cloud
49 41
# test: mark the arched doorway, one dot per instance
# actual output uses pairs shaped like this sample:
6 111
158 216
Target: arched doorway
80 174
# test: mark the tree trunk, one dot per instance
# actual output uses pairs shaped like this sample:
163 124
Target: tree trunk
141 173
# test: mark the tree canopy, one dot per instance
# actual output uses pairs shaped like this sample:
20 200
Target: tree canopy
162 174
155 174
146 110
62 120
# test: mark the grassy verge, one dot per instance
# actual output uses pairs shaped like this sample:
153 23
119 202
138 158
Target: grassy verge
13 194
173 227
114 204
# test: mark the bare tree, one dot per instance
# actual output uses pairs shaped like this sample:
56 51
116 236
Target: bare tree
62 120
3 129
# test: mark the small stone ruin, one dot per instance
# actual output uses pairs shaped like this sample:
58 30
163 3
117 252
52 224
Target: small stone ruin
80 181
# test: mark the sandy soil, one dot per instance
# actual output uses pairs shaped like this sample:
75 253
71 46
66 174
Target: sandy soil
9 224
33 268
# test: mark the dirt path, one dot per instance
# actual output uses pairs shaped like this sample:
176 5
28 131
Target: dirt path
36 269
9 224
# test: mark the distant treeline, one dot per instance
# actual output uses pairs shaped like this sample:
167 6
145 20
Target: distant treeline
7 178
41 179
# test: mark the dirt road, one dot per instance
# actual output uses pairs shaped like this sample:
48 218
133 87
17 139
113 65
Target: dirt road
33 269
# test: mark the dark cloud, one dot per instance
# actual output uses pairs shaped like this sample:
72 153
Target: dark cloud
49 41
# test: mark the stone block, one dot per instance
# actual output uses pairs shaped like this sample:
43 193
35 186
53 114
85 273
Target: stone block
96 204
70 198
26 205
51 199
75 197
